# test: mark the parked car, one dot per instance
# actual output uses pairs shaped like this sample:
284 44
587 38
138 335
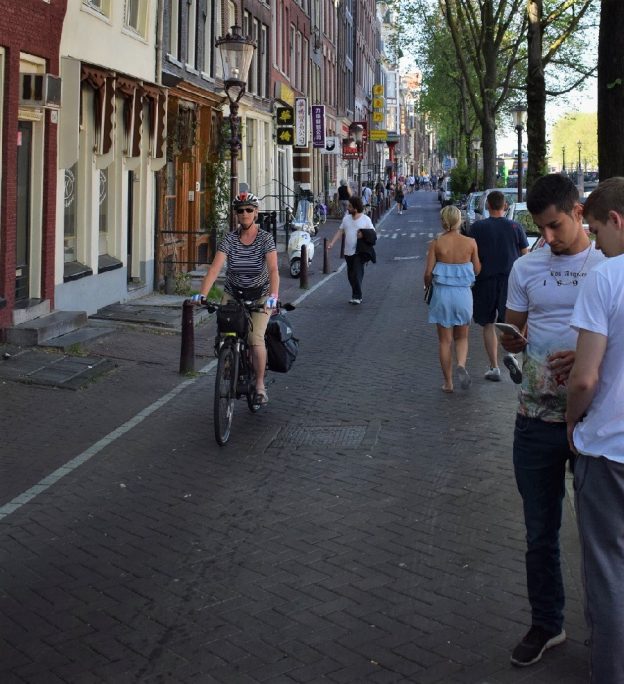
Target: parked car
445 193
519 213
511 195
468 214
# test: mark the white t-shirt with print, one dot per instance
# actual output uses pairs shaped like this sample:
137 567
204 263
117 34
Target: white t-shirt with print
600 309
546 286
351 227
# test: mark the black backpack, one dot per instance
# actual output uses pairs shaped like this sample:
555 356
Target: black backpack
282 345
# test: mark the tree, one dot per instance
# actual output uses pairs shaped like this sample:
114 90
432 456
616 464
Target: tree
611 90
557 28
487 37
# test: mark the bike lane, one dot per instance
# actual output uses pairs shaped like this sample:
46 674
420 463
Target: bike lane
364 527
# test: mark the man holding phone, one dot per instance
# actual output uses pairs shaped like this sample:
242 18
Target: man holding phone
543 287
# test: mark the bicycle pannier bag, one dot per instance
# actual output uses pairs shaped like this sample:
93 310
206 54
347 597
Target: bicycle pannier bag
232 318
282 345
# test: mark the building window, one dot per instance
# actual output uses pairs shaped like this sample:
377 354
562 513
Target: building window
101 6
136 16
292 64
174 28
191 23
70 214
263 62
212 30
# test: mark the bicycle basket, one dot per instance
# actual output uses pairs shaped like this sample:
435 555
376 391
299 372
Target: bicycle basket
232 318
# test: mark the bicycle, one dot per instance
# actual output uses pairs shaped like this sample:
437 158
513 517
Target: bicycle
235 376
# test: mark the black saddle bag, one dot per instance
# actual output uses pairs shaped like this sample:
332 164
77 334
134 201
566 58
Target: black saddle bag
282 345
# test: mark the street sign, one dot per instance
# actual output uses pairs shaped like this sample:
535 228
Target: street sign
285 135
379 134
301 122
285 116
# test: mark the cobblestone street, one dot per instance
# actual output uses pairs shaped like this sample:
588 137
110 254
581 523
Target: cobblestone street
363 527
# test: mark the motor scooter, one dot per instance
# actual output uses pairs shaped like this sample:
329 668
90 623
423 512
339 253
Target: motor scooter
302 231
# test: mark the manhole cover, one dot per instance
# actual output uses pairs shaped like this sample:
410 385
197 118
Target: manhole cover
346 436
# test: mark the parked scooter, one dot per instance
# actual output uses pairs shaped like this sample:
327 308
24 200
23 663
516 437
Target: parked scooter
302 231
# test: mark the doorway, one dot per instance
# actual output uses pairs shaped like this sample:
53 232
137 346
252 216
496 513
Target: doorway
23 224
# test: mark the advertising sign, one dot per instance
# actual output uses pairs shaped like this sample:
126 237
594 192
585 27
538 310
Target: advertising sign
332 145
285 116
318 126
301 122
285 135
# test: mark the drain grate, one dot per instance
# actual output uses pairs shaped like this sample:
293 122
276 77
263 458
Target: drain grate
346 436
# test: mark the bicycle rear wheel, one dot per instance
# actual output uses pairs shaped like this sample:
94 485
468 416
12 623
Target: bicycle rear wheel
225 393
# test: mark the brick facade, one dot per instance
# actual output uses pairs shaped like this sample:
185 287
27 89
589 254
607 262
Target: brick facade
33 27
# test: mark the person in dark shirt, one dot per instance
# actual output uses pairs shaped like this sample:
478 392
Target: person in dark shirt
500 242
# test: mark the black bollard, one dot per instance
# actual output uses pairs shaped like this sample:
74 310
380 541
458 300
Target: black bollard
187 349
303 271
325 256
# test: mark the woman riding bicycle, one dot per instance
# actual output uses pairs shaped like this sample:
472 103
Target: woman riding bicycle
251 274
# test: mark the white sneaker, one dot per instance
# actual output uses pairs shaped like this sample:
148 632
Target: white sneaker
492 374
356 301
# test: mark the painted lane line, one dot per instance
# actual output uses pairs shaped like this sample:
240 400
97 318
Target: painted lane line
57 475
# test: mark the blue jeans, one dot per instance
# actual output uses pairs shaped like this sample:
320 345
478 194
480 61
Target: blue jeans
540 453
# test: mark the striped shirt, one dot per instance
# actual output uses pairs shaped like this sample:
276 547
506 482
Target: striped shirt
246 264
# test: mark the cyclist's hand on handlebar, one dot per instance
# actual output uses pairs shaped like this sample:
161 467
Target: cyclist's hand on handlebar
198 299
271 302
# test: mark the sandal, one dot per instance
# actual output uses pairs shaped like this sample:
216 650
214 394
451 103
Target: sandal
262 397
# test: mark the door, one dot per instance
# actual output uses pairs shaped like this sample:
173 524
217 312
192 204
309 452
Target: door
23 227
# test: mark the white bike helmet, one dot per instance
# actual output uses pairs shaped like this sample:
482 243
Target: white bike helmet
245 199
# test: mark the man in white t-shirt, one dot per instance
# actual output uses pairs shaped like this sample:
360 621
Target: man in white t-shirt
355 226
543 287
595 416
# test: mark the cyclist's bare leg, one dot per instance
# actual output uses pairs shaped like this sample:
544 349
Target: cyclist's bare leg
259 358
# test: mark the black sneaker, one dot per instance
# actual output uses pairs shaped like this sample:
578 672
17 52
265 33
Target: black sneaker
515 372
535 642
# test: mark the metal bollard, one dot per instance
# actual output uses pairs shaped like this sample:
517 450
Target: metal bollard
303 272
325 256
187 348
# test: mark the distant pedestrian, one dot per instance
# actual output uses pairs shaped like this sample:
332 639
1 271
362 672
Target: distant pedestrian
452 263
399 197
355 226
344 192
543 287
595 417
500 242
367 196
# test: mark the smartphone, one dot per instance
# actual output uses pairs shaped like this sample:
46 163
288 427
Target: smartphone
510 330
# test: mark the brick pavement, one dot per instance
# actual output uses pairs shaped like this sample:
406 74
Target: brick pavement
363 528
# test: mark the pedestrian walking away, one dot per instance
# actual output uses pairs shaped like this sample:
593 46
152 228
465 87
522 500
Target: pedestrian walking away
360 235
543 287
399 197
252 271
452 263
595 420
344 193
500 242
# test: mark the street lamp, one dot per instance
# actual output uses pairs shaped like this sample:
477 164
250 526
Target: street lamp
357 131
580 180
563 170
236 52
476 146
519 119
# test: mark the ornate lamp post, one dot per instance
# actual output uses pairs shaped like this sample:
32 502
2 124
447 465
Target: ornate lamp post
236 52
519 119
563 169
580 180
476 146
357 131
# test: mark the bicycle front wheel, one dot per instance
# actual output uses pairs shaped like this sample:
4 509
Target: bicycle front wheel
225 393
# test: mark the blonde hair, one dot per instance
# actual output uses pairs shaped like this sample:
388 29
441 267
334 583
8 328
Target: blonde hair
451 218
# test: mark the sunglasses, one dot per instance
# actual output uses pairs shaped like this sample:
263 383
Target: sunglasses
245 210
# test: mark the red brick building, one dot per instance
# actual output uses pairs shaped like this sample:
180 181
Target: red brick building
30 33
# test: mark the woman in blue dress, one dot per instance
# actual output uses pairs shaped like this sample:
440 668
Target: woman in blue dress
452 264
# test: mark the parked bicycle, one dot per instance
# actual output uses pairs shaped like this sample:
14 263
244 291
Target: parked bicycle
235 376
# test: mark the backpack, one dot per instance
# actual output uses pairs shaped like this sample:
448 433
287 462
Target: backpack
282 345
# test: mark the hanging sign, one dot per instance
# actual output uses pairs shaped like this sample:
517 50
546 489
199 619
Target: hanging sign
301 122
318 126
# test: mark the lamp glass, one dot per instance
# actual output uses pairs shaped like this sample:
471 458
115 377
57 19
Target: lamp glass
519 114
476 144
236 53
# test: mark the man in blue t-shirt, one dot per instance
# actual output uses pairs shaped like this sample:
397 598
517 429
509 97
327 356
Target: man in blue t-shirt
500 242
